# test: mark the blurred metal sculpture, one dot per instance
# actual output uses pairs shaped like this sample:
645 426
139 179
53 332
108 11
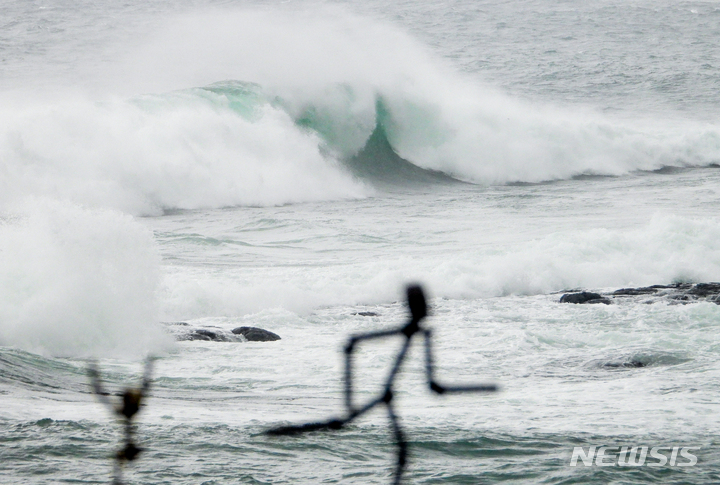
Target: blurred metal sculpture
125 410
418 311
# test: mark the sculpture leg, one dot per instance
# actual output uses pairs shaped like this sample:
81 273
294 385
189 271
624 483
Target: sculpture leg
401 444
117 473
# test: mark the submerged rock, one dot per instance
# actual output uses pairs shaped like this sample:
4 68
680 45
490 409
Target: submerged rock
633 364
254 334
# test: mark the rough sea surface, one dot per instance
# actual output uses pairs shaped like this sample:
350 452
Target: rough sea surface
292 166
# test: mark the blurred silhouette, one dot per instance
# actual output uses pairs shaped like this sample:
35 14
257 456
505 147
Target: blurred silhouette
125 410
418 311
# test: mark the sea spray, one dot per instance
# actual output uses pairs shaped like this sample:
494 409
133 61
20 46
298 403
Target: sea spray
78 282
150 153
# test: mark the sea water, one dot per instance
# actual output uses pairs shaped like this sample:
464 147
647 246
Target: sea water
291 165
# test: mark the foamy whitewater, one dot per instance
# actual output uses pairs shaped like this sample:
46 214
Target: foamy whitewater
292 167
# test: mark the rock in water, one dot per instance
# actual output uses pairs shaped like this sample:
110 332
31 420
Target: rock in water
206 335
367 314
584 297
633 364
708 291
184 331
674 294
254 334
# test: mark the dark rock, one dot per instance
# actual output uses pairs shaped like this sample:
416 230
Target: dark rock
648 290
254 334
633 364
206 335
674 294
604 301
183 331
705 290
583 297
367 314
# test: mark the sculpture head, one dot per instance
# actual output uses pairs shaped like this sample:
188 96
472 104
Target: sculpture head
131 402
416 302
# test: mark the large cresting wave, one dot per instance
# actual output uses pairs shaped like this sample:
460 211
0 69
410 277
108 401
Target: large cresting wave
258 107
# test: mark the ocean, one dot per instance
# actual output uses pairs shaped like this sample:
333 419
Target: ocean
169 167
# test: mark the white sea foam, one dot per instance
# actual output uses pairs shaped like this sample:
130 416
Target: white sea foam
490 138
666 249
78 282
176 152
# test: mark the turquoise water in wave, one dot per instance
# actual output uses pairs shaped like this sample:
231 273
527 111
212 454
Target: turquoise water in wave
289 166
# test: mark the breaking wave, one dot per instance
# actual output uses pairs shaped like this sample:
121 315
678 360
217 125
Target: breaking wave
331 106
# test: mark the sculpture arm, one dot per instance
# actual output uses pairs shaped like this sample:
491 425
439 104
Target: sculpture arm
100 392
437 387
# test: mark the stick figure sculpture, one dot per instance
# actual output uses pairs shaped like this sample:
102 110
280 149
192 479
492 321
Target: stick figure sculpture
418 311
125 411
